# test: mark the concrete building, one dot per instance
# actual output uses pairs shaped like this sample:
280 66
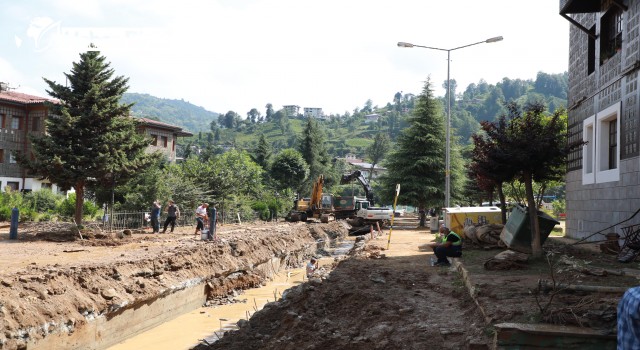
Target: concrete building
314 112
603 177
291 110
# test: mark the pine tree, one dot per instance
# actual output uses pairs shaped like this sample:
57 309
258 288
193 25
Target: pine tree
313 149
418 162
262 152
90 138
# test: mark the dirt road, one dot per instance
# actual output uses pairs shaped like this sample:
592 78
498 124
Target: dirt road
380 300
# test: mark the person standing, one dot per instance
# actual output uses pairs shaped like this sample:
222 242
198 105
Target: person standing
201 217
173 213
155 216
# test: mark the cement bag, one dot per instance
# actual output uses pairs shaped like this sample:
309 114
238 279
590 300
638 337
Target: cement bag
470 233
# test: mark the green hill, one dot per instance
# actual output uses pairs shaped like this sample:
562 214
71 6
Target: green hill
177 112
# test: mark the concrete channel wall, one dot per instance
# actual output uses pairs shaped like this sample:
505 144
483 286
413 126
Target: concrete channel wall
93 306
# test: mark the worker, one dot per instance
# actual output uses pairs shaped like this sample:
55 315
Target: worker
312 266
629 320
450 245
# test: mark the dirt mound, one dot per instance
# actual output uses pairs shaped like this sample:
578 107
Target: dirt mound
383 303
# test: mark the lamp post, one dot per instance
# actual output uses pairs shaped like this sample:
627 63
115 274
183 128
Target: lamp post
447 176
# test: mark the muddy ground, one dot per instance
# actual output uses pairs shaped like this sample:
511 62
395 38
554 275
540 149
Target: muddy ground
52 282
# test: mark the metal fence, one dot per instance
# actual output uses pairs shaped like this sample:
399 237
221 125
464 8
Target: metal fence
138 220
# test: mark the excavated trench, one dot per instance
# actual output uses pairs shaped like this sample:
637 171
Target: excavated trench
94 305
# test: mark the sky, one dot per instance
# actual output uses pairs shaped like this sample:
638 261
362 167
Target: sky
234 55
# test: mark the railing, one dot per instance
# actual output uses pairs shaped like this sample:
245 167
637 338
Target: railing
138 220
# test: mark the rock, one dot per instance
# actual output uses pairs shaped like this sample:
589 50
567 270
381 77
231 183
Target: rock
6 283
109 293
378 279
242 323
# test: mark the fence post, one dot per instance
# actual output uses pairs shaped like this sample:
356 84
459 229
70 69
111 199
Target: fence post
13 231
212 224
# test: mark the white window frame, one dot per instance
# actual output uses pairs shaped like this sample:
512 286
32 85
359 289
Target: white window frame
602 173
588 154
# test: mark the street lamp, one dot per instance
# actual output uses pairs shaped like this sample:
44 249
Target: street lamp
447 176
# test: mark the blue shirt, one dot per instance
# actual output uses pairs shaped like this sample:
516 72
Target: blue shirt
629 320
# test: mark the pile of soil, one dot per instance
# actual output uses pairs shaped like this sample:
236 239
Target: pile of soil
368 302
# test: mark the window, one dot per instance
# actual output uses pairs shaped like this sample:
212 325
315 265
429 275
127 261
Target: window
611 33
591 52
12 158
3 120
607 131
588 154
164 141
13 185
1 156
46 185
35 124
15 122
154 140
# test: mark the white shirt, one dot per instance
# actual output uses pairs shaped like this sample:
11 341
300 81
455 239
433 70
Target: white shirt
201 211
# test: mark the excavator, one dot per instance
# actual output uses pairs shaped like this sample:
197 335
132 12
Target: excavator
368 191
318 206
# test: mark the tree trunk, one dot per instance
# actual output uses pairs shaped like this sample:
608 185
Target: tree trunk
503 204
79 202
536 247
423 216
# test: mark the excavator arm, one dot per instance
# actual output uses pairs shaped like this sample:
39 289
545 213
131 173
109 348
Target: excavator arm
363 181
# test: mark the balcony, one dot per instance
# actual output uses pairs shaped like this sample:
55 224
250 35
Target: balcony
579 6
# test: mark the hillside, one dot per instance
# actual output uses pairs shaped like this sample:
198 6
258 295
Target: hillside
178 112
353 132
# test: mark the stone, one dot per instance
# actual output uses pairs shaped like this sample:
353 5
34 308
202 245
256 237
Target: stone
109 293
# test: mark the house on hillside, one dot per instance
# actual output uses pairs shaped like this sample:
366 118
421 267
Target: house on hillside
291 110
314 112
163 136
364 167
603 177
371 118
21 115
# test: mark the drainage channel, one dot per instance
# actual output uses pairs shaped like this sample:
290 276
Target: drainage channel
209 323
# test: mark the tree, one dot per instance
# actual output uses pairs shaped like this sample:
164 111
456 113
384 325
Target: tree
531 147
262 152
313 149
213 126
289 170
418 162
253 115
90 137
269 112
377 150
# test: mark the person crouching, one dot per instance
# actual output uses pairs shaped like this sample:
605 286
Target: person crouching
451 246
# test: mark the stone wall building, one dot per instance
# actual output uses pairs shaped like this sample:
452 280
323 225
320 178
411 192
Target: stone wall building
604 110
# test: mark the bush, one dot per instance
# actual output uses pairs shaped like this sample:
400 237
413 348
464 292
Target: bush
43 200
67 207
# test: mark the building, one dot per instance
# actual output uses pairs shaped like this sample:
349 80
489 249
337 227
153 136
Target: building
291 110
163 136
313 112
603 187
21 115
364 167
371 118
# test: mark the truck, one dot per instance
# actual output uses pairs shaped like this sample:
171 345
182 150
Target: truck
363 210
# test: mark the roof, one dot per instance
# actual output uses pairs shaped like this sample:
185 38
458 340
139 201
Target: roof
19 97
364 165
166 126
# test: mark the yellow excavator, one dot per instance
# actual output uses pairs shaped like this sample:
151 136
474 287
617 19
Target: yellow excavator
319 206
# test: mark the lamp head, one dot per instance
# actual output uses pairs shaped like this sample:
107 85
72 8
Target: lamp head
403 44
493 40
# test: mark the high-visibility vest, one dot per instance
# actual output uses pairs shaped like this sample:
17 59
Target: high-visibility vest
459 242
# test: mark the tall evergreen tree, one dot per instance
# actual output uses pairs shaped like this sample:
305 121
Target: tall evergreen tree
263 152
313 149
418 162
90 138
